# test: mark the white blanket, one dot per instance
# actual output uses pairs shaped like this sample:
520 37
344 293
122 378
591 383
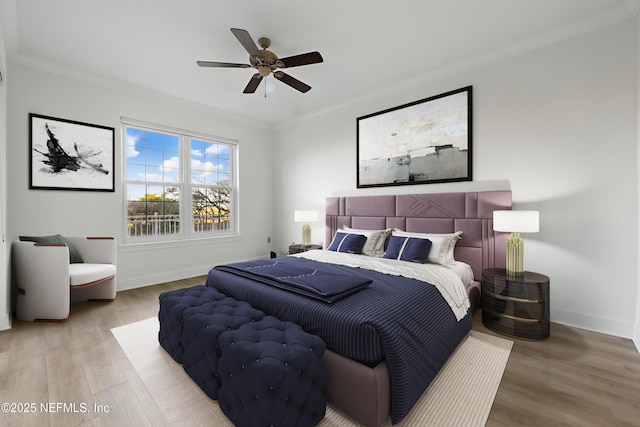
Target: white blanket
446 281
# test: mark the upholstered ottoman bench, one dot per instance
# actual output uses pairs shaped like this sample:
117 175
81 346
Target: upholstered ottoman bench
172 305
203 325
272 375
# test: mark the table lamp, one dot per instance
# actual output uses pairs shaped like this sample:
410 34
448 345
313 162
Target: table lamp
516 222
306 217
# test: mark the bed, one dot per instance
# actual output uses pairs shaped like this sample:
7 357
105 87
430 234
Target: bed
383 346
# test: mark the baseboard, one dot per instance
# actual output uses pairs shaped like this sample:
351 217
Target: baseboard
603 325
154 279
636 336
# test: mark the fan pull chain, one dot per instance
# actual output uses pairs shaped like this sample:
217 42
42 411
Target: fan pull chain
265 88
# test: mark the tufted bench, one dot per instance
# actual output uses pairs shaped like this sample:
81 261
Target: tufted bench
203 325
272 375
172 305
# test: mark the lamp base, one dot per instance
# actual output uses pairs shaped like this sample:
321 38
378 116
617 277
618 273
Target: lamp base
306 235
515 255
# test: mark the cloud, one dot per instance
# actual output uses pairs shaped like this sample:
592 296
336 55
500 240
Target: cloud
205 166
214 149
151 177
172 163
210 150
131 146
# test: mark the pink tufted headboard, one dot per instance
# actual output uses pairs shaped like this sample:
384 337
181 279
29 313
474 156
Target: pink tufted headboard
470 212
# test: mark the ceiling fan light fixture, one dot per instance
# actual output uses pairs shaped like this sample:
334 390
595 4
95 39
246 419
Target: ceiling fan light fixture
264 70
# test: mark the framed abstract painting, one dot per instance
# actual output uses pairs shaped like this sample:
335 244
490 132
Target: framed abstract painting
423 142
70 155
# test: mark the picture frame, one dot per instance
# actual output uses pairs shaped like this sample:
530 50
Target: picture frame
70 155
422 142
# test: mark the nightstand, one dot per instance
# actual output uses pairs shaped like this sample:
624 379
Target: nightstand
516 305
297 248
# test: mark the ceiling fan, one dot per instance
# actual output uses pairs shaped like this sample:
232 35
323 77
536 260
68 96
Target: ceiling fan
266 62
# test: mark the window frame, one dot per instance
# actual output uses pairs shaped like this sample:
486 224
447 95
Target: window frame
185 185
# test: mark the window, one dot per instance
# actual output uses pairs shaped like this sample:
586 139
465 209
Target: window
179 185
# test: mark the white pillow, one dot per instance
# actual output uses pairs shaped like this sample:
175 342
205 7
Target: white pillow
442 245
375 240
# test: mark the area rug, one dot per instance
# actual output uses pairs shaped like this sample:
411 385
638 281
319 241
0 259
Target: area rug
461 394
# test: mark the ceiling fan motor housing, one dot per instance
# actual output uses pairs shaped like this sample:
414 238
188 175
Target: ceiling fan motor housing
266 62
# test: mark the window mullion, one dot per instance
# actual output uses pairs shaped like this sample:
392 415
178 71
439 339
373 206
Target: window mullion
185 192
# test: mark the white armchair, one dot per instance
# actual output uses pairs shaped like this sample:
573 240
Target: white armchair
47 281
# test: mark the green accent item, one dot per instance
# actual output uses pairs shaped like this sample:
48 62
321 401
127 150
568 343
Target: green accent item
74 255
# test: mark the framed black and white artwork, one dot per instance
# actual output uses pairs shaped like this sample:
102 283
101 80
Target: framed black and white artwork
423 142
70 155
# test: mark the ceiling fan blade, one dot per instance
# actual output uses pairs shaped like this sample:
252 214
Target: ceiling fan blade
221 64
253 83
246 41
293 82
303 59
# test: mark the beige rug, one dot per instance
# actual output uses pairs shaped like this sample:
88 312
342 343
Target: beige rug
461 394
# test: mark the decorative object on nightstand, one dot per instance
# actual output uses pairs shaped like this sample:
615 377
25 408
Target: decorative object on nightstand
516 222
516 306
296 248
306 217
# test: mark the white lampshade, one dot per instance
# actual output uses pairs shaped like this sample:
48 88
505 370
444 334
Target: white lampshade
516 221
305 216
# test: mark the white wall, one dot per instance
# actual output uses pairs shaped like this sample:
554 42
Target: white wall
557 125
39 212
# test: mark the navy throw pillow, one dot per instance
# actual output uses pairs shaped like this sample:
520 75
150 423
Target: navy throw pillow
408 249
348 242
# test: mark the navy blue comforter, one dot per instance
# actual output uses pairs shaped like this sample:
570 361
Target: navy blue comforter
404 321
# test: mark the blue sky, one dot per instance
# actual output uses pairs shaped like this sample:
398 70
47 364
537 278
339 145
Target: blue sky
154 156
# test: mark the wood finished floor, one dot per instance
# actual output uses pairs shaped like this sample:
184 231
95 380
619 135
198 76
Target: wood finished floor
574 378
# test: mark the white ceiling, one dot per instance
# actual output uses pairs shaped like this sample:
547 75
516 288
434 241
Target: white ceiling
369 46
